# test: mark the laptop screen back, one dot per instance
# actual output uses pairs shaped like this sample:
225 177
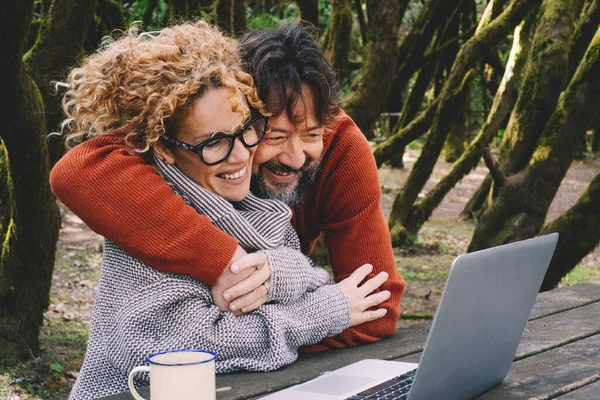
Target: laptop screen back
486 302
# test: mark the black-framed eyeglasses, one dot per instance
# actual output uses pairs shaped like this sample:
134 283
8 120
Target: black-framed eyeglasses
216 149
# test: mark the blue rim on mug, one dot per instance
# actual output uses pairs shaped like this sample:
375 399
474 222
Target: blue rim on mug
213 354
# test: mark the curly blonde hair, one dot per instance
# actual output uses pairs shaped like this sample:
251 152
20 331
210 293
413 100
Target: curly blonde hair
148 79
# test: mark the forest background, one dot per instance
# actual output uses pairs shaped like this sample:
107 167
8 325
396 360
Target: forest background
481 114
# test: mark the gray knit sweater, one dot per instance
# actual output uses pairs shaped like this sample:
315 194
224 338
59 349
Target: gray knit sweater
140 310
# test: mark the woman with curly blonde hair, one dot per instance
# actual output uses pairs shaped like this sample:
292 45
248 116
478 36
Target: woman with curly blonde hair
180 96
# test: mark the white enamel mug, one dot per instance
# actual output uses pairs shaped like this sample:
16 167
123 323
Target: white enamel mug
179 374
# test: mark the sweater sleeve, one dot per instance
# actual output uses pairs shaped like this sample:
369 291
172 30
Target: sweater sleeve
293 273
120 197
180 314
355 230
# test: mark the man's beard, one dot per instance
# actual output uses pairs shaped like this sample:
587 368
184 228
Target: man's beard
280 191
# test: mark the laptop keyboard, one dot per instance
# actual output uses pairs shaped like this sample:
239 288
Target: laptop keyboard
394 389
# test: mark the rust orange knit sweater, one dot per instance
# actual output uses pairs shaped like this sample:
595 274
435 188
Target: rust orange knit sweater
120 197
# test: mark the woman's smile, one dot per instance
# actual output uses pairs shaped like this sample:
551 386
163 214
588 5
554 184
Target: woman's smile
237 176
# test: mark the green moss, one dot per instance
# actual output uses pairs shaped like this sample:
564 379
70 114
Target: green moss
581 274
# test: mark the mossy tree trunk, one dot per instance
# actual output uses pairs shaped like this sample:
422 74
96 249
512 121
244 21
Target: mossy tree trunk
503 102
579 235
470 52
458 133
596 139
491 74
147 19
412 50
362 20
339 32
59 43
29 217
445 48
414 102
521 206
175 9
108 16
309 11
231 16
546 76
475 203
224 14
407 117
239 17
397 142
378 66
111 14
584 32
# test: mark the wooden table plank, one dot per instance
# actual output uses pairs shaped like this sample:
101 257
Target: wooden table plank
563 299
556 330
588 392
550 332
550 371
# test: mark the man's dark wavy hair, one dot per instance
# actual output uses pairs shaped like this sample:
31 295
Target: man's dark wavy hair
281 61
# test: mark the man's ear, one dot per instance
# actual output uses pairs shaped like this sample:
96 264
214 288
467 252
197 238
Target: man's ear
164 152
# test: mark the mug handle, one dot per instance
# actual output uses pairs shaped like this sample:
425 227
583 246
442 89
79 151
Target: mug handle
134 392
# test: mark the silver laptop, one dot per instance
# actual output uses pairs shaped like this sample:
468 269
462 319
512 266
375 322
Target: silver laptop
478 325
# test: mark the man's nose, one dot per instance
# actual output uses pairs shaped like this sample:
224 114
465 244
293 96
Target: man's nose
239 153
292 153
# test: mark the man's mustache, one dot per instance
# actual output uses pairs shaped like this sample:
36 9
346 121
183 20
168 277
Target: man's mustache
277 167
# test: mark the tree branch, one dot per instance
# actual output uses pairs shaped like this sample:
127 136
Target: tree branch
417 127
495 172
362 20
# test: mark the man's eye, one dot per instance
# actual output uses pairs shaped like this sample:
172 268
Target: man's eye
312 136
275 139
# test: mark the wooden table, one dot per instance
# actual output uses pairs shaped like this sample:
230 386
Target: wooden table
558 357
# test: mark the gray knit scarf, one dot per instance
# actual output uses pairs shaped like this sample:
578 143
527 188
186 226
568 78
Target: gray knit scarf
256 223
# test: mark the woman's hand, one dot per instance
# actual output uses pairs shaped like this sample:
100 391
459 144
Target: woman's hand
253 291
360 298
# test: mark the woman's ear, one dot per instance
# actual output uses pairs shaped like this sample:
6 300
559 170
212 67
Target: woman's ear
164 152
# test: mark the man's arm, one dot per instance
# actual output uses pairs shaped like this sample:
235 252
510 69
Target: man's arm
120 197
356 233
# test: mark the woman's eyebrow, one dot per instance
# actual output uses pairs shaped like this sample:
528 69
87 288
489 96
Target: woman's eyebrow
199 137
229 132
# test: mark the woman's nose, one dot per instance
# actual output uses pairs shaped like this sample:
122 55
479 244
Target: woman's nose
239 153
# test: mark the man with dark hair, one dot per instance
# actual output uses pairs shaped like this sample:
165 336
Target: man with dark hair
289 72
313 158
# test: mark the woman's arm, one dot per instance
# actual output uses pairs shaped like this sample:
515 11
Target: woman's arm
292 275
178 313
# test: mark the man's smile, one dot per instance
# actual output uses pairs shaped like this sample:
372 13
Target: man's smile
282 177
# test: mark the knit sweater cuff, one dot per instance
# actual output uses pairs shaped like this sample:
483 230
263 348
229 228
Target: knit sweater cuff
338 314
292 275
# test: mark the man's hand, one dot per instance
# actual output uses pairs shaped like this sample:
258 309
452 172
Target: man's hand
253 291
243 286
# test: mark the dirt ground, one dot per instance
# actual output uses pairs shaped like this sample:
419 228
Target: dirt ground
424 266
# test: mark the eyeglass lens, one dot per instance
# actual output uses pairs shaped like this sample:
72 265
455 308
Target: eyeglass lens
218 149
